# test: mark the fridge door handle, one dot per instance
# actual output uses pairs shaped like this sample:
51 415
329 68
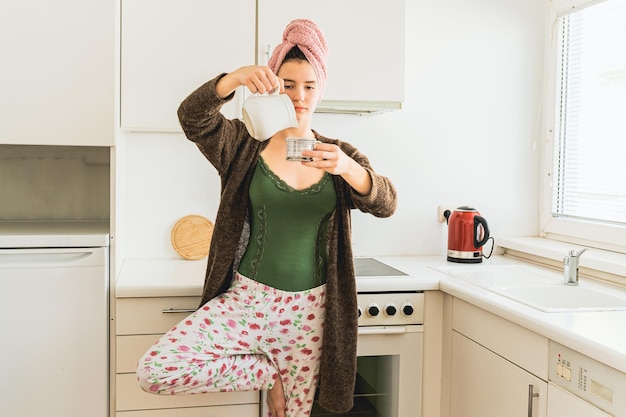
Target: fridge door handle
32 258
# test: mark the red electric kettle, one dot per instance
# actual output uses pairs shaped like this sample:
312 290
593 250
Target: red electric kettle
467 233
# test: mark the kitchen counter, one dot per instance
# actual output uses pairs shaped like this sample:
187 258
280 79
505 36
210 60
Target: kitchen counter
54 233
599 335
183 278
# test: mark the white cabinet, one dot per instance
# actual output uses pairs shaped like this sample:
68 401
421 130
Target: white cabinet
497 368
57 73
487 385
493 367
366 41
139 323
170 47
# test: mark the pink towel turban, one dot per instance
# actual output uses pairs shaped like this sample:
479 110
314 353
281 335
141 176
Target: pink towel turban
307 36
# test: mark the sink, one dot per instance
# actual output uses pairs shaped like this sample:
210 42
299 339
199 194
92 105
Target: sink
560 298
539 288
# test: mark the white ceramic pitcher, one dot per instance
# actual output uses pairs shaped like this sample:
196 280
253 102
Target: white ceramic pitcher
265 114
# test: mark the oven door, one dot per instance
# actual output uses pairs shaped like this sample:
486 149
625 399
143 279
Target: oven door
389 373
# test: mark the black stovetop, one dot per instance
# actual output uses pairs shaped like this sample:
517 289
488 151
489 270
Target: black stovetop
370 267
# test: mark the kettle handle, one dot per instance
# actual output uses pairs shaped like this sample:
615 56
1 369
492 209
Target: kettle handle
480 220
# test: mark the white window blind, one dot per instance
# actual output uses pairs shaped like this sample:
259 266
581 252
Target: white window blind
589 167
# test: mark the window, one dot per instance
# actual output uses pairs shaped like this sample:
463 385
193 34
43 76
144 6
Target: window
585 188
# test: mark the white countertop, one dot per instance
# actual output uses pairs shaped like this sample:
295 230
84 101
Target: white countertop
599 335
160 278
183 278
54 234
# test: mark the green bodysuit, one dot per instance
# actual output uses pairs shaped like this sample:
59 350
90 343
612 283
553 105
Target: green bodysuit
288 229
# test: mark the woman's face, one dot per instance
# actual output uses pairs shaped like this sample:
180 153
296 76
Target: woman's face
300 86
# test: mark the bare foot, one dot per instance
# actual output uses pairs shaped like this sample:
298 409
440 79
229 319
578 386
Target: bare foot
276 399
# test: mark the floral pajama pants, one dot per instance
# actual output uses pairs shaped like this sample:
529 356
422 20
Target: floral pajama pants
242 340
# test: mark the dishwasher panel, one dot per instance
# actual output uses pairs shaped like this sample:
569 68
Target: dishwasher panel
564 404
599 385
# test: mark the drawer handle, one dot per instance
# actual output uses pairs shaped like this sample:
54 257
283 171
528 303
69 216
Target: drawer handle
382 330
179 310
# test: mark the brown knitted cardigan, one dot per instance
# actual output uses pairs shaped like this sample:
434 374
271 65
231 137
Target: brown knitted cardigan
234 153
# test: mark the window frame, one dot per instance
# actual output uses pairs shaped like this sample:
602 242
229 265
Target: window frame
587 233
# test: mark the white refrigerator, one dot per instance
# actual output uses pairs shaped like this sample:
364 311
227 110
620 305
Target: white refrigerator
54 286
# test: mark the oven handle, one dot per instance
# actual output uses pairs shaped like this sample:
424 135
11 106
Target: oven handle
382 330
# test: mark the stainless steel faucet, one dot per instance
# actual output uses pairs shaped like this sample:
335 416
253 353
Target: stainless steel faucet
570 266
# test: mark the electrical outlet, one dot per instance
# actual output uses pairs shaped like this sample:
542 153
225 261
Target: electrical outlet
440 213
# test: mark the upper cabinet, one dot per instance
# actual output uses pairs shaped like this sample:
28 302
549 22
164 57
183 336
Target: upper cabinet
58 72
366 48
171 47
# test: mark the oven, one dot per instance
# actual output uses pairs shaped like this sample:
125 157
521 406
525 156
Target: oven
389 347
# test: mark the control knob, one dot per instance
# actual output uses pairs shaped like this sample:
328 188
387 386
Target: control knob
373 310
390 309
407 309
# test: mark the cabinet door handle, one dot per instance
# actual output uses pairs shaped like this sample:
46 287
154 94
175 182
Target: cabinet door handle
178 310
531 395
268 53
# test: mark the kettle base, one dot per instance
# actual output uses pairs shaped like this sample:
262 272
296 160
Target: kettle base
465 260
465 257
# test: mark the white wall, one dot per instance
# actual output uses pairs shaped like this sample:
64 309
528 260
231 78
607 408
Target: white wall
464 137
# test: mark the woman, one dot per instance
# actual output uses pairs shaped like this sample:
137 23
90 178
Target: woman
279 301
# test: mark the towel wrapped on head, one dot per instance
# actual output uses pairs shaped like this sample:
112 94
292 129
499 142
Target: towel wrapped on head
308 37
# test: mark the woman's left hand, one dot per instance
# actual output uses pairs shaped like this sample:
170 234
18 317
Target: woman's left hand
332 159
328 157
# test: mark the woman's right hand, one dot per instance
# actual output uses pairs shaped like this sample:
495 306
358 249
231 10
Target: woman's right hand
257 78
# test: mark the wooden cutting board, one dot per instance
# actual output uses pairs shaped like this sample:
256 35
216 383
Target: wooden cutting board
191 236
